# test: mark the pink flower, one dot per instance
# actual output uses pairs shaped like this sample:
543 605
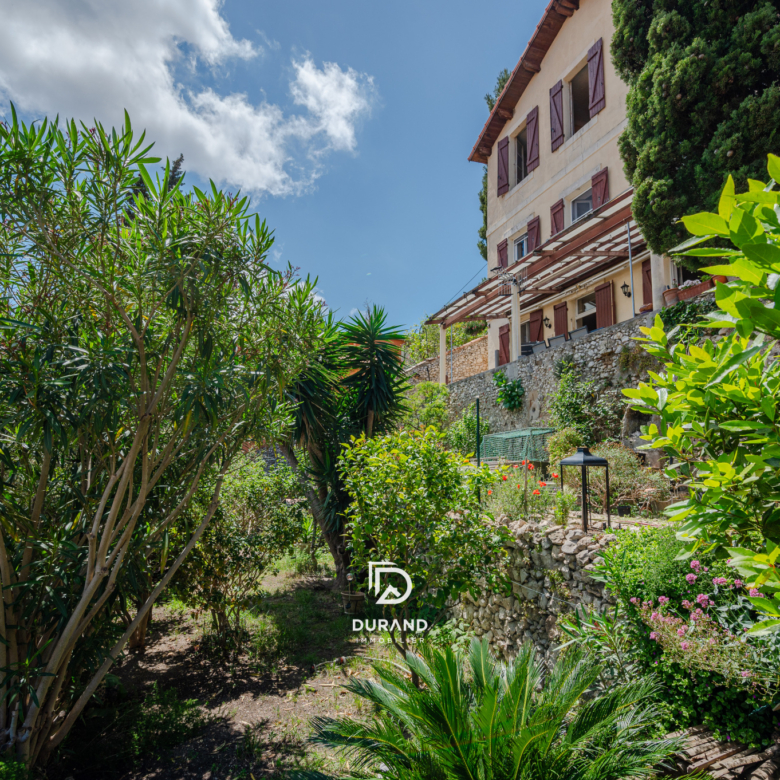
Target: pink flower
634 600
686 604
755 593
706 569
690 578
685 645
654 636
654 616
663 600
702 599
680 632
738 583
695 565
745 673
719 581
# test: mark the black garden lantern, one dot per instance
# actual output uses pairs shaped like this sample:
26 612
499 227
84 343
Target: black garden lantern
585 460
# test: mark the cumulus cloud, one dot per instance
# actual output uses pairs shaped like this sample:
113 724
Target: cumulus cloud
93 58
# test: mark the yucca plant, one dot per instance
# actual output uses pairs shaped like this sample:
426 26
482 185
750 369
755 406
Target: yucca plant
485 720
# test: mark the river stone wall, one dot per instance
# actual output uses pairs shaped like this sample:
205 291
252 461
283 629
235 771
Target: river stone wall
550 568
608 356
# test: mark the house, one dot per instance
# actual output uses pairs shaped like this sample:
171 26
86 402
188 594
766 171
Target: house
565 257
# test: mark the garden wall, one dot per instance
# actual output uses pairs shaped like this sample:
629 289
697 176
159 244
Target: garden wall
468 359
596 357
550 569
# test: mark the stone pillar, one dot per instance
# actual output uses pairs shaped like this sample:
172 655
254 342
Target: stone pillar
442 355
514 329
658 275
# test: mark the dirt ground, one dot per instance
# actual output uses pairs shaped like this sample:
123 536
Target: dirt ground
258 707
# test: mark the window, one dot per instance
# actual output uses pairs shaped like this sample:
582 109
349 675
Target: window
586 312
525 332
521 145
582 205
580 100
521 247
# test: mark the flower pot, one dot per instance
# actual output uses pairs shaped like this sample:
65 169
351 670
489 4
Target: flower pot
670 296
692 292
353 603
721 279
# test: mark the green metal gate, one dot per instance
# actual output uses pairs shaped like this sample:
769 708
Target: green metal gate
523 444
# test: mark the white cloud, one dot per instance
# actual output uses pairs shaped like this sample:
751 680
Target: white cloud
93 58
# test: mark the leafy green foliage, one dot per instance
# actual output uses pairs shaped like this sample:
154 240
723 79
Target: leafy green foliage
426 404
703 103
562 443
259 519
143 340
487 719
355 384
510 392
578 404
416 504
687 313
461 434
717 402
645 565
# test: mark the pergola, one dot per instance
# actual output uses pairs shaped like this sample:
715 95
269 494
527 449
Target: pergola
592 245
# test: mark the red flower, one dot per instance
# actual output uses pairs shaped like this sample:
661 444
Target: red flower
543 484
518 487
515 466
504 477
554 476
490 492
531 466
537 492
522 463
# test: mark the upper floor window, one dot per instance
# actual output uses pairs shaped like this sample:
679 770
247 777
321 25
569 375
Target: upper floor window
521 152
582 205
579 110
521 247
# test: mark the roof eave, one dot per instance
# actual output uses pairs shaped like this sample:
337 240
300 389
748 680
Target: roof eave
530 63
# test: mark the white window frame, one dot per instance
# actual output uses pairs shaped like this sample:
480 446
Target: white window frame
573 201
521 240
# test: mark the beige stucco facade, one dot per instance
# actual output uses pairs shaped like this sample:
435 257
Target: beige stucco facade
566 172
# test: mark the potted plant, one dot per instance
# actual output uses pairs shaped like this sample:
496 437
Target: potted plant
692 288
353 602
671 295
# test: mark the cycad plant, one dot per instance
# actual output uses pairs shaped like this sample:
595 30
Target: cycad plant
485 720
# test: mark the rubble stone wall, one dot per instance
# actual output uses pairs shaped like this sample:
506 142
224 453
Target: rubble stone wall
608 356
467 359
550 568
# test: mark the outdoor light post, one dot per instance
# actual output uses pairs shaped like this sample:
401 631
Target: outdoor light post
585 460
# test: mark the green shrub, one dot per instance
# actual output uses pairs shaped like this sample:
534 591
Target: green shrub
11 769
510 392
479 718
577 403
561 444
461 435
426 404
643 566
686 313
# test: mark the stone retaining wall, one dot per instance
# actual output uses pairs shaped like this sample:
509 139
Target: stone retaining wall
550 568
467 359
596 357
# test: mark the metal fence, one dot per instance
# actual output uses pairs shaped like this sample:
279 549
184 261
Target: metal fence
523 444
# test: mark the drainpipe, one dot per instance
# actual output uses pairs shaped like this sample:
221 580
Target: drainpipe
631 270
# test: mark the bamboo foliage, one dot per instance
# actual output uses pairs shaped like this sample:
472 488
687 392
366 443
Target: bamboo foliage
143 340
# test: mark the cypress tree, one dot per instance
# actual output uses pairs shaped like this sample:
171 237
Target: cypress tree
703 103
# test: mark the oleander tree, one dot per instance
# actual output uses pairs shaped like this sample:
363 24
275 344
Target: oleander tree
703 103
143 340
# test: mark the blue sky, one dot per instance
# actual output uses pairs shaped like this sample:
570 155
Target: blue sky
362 170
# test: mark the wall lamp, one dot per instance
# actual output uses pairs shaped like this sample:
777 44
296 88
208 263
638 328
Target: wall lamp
626 289
547 323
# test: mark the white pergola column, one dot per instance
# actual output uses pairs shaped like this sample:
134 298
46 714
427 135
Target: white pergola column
514 341
442 355
658 276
